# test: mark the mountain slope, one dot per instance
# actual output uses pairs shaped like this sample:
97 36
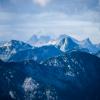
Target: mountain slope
37 54
98 54
25 81
73 76
73 59
83 67
9 48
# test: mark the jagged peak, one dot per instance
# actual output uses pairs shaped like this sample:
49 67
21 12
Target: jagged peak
87 40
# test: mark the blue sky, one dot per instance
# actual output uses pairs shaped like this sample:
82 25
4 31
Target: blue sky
20 19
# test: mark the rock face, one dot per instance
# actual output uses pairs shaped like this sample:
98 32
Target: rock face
72 76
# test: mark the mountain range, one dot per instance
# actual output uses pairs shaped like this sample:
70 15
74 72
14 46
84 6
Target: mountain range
67 43
59 69
17 50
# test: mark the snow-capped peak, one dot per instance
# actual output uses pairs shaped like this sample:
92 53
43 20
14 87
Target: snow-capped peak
11 47
66 43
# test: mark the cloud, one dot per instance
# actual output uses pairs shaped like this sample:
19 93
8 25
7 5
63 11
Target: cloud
41 3
79 18
14 25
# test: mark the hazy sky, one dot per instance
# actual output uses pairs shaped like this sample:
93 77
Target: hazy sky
20 19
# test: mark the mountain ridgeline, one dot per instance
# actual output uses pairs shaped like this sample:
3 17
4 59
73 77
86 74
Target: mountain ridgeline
38 54
7 49
18 50
66 43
